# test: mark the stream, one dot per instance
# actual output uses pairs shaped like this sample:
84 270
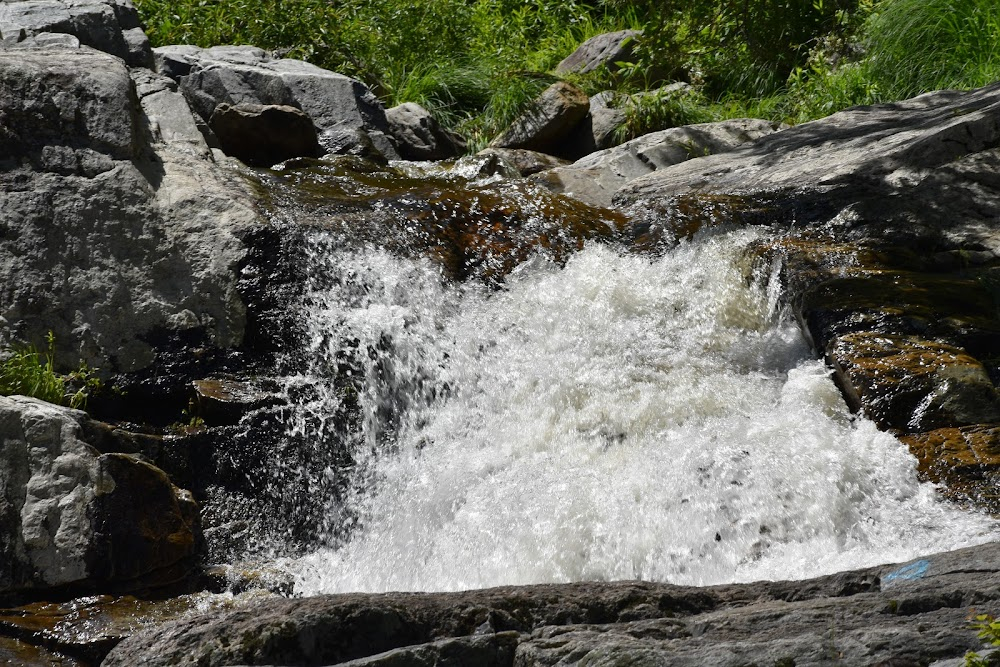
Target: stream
591 414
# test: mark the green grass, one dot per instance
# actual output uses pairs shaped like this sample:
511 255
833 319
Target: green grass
26 371
476 64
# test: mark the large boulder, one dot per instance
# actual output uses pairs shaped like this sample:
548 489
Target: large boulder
604 50
111 26
596 177
349 119
419 136
72 519
906 614
117 225
547 121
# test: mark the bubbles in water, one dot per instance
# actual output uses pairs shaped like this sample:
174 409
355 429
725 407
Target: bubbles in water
618 418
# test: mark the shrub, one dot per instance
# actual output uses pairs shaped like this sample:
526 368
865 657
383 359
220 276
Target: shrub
28 372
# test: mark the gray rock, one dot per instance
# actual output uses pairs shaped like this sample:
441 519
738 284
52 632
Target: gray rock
264 134
912 613
111 26
596 177
549 120
419 136
115 221
600 50
526 162
71 518
347 115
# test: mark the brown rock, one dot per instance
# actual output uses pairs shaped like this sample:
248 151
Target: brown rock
967 459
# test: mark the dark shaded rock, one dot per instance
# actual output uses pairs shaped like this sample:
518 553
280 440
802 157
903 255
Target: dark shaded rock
222 401
74 519
602 50
349 119
595 178
419 136
549 120
598 129
262 135
914 612
525 162
111 26
15 651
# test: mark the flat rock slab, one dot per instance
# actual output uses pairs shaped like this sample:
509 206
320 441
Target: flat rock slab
909 613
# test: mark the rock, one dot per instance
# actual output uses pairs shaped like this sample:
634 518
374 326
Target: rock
347 116
597 131
524 161
967 459
111 26
116 223
549 120
911 613
264 134
221 400
419 136
74 519
595 178
911 384
602 50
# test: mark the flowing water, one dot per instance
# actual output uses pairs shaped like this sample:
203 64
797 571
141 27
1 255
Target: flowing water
613 417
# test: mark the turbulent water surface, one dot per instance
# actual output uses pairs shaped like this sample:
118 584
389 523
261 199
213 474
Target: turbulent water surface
621 417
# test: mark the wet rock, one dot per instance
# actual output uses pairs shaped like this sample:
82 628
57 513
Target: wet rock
549 120
347 116
602 50
116 223
967 459
525 162
74 519
25 654
419 136
892 614
912 385
111 26
595 178
221 401
264 134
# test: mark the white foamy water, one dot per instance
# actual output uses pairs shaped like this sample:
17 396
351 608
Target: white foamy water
619 418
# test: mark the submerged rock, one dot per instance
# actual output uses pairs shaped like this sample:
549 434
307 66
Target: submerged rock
912 613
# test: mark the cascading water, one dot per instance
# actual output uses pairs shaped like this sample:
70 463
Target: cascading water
619 417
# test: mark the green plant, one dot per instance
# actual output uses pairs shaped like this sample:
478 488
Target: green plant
988 628
29 372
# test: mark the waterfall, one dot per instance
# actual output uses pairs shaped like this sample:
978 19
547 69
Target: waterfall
616 417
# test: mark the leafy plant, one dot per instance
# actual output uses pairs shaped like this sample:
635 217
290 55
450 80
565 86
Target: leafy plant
30 372
989 631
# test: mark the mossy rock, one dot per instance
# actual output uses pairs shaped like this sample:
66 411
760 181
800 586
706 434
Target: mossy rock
966 459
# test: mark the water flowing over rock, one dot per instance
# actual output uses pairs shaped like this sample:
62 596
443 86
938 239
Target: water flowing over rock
898 614
349 119
75 519
596 178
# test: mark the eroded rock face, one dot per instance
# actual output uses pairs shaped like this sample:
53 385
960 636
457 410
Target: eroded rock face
116 223
349 119
911 613
595 178
74 519
111 26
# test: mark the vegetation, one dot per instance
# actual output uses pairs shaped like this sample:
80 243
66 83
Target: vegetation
477 63
989 631
26 371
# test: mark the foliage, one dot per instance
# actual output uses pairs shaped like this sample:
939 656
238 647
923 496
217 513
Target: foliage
989 632
29 372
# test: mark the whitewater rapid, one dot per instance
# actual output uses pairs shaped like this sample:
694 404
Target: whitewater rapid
621 417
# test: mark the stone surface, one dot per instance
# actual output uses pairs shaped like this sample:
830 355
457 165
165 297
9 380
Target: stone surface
524 161
966 459
348 117
264 134
419 136
600 50
74 519
595 178
549 120
115 222
912 613
111 26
